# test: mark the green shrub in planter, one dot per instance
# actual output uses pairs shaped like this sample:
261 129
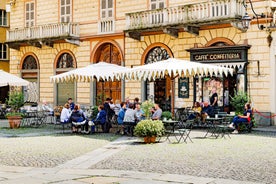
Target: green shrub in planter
146 107
149 128
238 101
166 115
15 101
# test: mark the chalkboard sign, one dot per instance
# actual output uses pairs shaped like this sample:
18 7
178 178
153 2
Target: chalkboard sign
183 87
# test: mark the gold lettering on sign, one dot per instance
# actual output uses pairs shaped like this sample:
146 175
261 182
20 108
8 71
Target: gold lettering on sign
228 56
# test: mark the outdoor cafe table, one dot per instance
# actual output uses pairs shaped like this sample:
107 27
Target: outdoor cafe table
170 129
213 126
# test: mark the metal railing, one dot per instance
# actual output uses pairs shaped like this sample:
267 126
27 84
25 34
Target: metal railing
44 31
186 14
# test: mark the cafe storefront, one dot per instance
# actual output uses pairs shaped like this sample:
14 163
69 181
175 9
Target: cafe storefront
234 57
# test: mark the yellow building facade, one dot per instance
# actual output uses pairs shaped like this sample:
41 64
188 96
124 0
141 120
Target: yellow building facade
4 54
48 38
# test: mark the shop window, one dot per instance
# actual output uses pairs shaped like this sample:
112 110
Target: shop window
3 18
208 84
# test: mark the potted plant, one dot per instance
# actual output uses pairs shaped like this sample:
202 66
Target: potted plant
149 130
15 101
238 100
147 107
166 115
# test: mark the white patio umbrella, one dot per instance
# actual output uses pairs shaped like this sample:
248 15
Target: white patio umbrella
7 79
99 71
173 68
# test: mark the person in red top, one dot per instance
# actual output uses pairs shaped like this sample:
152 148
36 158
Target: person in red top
245 118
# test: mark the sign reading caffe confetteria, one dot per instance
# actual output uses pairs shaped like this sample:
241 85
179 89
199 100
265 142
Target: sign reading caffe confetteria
217 56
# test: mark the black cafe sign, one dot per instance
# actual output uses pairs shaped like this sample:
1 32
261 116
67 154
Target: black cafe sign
217 56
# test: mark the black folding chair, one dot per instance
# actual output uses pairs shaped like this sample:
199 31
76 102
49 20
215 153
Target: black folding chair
184 130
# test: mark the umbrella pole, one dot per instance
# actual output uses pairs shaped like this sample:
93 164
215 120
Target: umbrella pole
173 95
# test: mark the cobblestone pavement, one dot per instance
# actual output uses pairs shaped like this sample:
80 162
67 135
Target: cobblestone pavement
46 151
244 157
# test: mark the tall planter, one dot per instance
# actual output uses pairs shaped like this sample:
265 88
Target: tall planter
15 101
149 139
149 130
14 121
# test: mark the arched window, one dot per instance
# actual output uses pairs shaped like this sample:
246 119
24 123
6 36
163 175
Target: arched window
65 62
157 54
30 72
160 88
29 63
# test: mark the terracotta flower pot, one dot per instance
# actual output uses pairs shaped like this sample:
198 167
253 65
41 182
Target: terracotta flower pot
149 139
14 121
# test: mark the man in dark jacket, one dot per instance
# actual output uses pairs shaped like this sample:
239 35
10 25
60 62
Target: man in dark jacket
207 110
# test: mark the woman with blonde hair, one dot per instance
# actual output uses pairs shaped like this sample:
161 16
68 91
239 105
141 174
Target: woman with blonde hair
65 114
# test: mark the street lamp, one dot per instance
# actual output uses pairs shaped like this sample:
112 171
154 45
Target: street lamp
246 19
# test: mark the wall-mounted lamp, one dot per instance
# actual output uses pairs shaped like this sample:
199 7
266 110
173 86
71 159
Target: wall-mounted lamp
246 19
9 5
12 2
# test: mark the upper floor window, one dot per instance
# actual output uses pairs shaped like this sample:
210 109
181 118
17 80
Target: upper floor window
157 4
30 14
65 10
106 9
3 51
3 18
106 24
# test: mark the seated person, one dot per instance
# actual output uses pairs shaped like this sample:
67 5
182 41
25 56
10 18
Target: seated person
130 119
78 118
117 107
207 110
157 112
246 117
139 112
101 117
45 107
196 111
130 114
121 114
65 114
71 103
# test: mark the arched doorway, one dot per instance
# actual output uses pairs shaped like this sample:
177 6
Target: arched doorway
30 72
158 90
108 53
65 62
